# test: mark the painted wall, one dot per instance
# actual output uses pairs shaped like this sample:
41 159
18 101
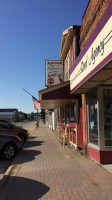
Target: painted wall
103 157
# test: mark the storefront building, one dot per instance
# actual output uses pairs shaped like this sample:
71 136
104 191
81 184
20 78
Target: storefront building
62 107
91 76
53 99
71 114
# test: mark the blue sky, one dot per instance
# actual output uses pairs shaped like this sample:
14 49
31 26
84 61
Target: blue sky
30 33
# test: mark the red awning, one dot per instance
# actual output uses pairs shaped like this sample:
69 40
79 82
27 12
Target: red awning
56 96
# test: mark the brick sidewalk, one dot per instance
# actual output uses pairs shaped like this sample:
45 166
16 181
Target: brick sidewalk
47 171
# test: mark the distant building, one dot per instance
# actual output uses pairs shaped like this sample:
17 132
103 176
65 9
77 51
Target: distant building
9 114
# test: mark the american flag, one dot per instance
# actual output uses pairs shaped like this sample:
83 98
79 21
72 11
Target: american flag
36 103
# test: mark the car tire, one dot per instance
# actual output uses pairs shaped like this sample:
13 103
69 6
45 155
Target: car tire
23 137
9 151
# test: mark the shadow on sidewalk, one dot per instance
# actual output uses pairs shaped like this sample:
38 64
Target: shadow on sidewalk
20 188
31 143
32 137
27 156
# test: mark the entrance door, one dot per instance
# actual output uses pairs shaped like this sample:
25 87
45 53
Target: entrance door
80 129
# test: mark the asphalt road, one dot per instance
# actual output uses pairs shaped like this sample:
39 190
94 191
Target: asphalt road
4 164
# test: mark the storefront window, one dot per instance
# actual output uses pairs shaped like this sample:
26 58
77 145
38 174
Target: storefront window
107 100
67 67
73 113
63 114
67 114
50 119
93 124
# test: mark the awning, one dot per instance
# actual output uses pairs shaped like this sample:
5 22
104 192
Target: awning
56 96
102 78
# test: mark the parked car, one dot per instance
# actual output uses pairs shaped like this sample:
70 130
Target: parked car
9 146
10 129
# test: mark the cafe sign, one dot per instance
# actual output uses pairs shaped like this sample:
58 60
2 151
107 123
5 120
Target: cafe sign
93 57
54 72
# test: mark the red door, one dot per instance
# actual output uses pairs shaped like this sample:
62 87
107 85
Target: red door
80 130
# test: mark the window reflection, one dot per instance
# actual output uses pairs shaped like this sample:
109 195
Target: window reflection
67 114
93 124
107 100
73 113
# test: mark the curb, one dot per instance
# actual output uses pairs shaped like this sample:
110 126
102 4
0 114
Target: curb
7 173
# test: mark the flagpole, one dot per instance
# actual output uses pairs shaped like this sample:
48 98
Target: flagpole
30 94
27 92
37 119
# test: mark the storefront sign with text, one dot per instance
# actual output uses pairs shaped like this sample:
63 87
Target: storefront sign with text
54 72
96 53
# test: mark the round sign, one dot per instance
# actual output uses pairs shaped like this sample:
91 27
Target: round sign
50 81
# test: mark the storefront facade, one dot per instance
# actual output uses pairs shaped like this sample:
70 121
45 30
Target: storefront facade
58 98
91 76
69 113
53 100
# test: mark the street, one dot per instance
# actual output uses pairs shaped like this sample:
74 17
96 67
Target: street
29 125
47 171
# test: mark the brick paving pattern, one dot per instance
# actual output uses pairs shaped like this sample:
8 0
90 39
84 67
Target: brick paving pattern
47 171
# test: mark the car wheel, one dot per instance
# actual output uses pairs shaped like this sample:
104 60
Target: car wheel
23 137
9 151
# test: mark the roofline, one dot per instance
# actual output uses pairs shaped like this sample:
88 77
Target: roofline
67 37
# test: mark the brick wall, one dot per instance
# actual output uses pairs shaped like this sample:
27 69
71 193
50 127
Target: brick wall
92 15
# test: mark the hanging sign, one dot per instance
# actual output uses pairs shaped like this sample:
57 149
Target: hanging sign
54 72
